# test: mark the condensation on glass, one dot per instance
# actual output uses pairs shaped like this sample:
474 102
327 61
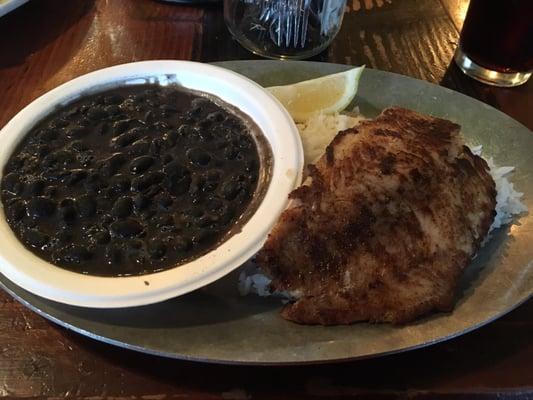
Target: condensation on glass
284 29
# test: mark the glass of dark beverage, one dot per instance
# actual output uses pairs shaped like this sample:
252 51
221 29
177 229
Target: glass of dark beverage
496 44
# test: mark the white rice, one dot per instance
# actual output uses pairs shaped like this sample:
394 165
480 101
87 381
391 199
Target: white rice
318 132
320 129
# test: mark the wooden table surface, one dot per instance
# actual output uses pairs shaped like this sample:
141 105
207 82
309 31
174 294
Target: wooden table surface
47 42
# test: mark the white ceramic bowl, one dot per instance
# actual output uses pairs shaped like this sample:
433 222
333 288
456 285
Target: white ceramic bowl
51 282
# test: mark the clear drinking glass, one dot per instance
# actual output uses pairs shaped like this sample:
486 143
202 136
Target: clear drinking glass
496 44
284 29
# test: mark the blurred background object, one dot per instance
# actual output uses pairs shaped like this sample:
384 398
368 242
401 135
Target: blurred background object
284 29
192 2
9 5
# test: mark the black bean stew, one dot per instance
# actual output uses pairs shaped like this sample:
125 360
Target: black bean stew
134 180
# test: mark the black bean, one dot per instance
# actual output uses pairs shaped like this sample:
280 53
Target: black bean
128 105
113 255
160 126
86 205
195 198
126 228
102 237
48 135
85 159
111 165
112 109
140 201
245 142
68 214
94 182
118 184
41 207
196 212
147 214
96 113
85 122
120 126
253 176
170 138
174 168
64 236
182 243
230 152
202 235
153 190
78 145
43 150
74 176
197 185
67 202
187 131
113 99
50 191
143 182
230 190
76 131
153 102
73 254
138 257
156 248
209 187
16 210
141 164
200 102
216 116
205 124
36 238
136 244
140 147
170 108
163 220
84 108
198 156
232 123
123 207
149 117
164 200
207 220
59 123
12 183
102 129
214 204
127 138
157 146
58 159
214 175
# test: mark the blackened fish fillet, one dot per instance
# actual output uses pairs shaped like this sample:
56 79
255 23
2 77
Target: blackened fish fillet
387 221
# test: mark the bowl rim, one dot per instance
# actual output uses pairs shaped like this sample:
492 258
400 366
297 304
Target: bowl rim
44 279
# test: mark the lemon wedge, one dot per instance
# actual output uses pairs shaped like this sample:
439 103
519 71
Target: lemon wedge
327 94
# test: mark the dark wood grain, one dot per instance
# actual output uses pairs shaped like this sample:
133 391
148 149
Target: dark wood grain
48 42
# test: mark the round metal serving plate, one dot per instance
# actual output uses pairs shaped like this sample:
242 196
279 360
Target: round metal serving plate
215 324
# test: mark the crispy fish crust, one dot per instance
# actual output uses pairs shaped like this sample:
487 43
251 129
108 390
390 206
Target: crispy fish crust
388 219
